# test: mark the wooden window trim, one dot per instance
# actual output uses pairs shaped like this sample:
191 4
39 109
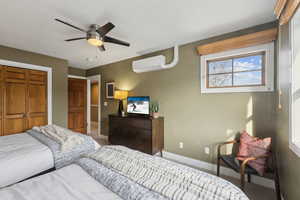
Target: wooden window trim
262 70
252 39
285 10
280 5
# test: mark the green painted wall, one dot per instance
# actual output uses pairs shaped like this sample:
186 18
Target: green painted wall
76 71
288 161
60 78
198 120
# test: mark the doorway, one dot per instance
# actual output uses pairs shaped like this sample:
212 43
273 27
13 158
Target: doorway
95 106
77 105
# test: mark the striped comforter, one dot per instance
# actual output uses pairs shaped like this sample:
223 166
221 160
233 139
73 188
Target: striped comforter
168 179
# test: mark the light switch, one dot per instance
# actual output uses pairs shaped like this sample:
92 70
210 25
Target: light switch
181 145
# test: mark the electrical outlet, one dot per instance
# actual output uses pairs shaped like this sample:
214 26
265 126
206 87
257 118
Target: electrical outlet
181 145
206 150
105 103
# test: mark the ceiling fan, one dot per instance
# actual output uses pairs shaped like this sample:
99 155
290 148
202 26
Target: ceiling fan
96 35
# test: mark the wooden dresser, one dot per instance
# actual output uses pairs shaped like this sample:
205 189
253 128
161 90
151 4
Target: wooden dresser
144 134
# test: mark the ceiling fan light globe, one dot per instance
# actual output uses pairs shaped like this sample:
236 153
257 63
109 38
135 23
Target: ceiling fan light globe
95 42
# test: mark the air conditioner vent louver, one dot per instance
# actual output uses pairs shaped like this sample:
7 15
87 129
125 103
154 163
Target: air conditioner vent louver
149 64
154 63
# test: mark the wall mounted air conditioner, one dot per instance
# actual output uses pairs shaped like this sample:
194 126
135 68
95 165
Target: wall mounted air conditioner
154 63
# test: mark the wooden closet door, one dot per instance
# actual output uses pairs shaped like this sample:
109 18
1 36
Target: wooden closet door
37 98
15 98
77 95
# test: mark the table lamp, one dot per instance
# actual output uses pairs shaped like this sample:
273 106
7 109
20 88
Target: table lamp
120 95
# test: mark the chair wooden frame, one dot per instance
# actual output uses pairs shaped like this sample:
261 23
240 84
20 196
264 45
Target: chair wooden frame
244 164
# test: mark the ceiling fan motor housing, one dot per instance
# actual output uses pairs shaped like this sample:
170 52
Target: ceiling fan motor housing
92 33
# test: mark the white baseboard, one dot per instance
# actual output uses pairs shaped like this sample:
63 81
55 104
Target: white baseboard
213 167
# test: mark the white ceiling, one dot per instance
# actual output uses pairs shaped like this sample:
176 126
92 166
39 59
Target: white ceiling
146 24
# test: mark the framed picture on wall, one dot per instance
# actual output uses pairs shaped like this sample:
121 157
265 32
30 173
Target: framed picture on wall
109 89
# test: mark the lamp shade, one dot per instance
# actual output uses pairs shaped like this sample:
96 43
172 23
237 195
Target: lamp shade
121 94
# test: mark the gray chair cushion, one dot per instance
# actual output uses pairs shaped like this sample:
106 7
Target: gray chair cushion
230 161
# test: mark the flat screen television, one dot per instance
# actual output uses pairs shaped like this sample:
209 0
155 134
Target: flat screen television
138 105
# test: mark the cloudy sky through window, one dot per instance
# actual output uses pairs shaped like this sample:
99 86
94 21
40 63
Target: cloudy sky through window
236 72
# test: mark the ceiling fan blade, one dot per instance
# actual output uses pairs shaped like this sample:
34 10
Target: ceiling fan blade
73 39
101 48
103 30
66 23
115 41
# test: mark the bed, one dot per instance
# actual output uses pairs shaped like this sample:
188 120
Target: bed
116 172
67 183
25 155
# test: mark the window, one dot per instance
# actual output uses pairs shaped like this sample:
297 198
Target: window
243 70
239 71
294 141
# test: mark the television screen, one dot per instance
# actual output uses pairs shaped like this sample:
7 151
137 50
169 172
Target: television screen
138 105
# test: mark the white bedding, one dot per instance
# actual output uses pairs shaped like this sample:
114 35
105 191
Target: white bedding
68 183
65 137
22 156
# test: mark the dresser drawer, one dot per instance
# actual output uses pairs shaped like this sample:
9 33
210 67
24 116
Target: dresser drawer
137 140
131 122
139 123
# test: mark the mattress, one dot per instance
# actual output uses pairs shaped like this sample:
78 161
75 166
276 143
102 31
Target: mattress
22 156
68 183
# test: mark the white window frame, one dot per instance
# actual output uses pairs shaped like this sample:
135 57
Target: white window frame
293 144
269 69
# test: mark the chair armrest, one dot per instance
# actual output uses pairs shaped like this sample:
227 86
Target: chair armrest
252 158
225 143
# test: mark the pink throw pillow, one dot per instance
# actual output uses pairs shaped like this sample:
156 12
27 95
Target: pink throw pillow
254 147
